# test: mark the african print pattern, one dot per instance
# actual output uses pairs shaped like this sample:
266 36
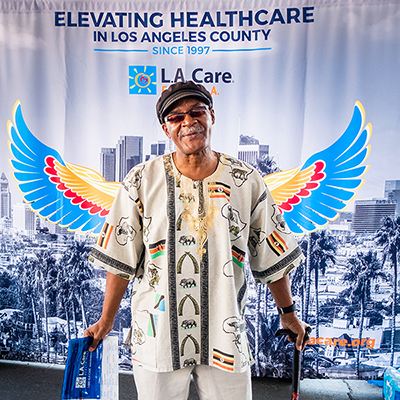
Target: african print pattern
185 244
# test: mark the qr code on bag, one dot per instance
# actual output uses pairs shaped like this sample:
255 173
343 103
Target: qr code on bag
80 382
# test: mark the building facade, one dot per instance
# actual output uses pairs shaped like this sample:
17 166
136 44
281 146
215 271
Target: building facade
5 197
24 218
107 163
129 152
392 192
250 149
368 214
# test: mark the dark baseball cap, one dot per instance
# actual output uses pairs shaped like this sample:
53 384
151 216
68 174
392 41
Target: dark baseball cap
178 91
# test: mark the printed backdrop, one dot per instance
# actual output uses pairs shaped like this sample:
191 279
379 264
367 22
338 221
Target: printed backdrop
78 85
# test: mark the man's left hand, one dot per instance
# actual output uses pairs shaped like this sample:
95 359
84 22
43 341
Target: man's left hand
297 326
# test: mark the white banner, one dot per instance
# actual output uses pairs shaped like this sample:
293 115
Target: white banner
286 78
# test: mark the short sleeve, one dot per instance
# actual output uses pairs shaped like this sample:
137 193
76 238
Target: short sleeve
119 248
273 250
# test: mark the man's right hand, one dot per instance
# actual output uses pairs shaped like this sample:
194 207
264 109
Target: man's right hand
98 331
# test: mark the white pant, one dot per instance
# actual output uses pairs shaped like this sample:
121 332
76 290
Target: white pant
211 383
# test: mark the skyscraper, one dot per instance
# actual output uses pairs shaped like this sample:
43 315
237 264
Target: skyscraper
107 163
369 213
157 149
129 152
5 197
24 218
169 146
392 192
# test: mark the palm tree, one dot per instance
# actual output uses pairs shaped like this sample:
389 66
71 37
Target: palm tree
388 236
320 247
298 285
36 278
80 272
322 254
266 165
64 294
26 291
44 274
363 270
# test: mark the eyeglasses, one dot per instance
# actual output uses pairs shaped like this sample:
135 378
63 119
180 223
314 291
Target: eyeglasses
179 117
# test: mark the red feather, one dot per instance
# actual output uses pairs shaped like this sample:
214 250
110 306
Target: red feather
305 191
69 193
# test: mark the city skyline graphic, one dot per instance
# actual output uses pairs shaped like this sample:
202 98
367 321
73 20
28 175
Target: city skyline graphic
117 161
338 328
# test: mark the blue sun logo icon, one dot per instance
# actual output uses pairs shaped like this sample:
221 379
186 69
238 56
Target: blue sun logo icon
142 79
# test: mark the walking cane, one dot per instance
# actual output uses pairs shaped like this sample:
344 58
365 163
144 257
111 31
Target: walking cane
296 360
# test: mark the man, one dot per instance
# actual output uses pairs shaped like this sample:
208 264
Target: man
180 226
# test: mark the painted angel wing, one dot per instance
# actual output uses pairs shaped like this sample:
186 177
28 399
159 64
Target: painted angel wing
312 195
65 194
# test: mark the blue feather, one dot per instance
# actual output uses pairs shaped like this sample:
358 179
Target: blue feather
343 172
29 164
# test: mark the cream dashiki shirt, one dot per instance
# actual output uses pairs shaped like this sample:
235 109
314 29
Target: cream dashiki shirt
184 243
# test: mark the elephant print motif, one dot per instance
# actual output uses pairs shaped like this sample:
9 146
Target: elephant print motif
187 240
189 362
188 324
186 283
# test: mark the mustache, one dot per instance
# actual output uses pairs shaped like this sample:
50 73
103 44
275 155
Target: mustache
192 129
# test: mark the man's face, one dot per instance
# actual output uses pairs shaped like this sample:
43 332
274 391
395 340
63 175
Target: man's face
193 134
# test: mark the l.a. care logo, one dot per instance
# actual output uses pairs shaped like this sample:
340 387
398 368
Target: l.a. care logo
142 79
